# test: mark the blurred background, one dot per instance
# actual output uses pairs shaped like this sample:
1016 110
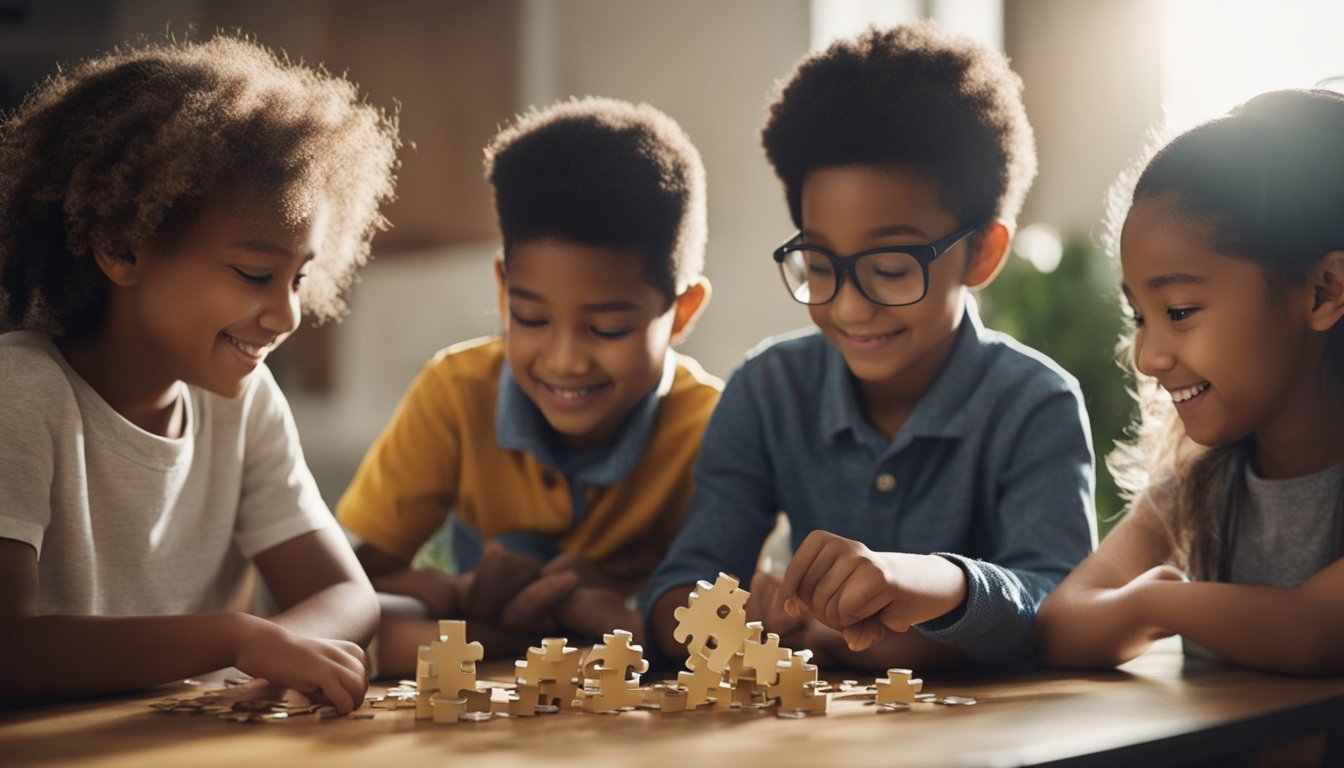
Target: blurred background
1102 78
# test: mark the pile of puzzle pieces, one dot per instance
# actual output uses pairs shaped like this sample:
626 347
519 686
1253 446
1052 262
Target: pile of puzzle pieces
728 664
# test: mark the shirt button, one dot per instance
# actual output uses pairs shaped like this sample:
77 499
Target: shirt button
886 482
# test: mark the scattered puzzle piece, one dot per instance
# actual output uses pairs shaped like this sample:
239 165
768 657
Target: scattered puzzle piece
898 687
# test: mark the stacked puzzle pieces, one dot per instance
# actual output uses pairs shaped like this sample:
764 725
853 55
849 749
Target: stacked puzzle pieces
728 664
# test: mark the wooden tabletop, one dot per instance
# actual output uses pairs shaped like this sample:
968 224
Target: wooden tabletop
1160 709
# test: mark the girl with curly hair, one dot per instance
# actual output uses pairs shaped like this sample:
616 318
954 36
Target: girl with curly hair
167 212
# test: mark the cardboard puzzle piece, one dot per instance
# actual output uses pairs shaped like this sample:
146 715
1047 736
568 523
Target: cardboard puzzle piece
615 655
522 701
797 689
446 710
898 687
705 687
666 697
763 657
553 661
713 625
615 666
448 664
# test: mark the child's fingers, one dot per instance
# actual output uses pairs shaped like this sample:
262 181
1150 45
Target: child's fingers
864 596
530 609
500 576
844 575
801 562
818 561
864 635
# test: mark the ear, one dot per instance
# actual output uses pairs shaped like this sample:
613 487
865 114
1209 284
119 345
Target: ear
502 284
991 246
1327 282
124 270
687 308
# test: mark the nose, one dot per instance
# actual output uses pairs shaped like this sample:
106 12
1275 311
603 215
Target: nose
280 314
567 354
850 306
1152 352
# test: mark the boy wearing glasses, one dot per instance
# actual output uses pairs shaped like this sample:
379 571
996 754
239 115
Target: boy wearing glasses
936 475
562 450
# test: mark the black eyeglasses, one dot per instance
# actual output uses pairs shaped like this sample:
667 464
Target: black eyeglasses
891 275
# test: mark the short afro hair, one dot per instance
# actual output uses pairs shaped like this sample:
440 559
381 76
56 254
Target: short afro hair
911 97
121 151
607 173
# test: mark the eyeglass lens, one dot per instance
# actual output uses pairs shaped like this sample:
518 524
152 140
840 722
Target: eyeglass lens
886 278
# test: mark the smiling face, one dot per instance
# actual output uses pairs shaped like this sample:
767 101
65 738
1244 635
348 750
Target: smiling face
848 209
208 308
586 334
1208 330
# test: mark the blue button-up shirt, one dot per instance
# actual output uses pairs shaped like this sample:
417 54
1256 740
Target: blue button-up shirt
993 469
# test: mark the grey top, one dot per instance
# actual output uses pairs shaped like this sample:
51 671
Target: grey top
993 470
1284 535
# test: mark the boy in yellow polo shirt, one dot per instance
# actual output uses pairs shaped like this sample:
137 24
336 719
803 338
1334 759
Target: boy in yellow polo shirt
560 454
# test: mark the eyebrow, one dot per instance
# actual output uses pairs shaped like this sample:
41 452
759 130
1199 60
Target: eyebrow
1173 278
886 230
265 247
601 306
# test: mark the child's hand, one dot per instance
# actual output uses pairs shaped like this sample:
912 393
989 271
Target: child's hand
863 593
766 605
595 611
336 669
532 611
500 576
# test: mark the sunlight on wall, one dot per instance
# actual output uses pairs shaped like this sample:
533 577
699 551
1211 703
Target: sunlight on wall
980 19
1218 53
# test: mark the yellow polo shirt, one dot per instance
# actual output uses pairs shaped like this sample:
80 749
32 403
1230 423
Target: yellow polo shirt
442 453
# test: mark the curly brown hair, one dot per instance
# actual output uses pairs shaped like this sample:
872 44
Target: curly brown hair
911 96
123 148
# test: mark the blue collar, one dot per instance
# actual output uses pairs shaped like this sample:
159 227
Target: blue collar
520 426
940 412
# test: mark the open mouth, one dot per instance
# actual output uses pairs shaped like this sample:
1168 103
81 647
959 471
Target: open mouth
1186 394
254 351
570 393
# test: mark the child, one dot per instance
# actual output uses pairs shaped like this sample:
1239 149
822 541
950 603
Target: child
1233 259
158 210
563 450
904 427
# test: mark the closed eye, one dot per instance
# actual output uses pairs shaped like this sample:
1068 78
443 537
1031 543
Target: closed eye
612 334
526 322
260 278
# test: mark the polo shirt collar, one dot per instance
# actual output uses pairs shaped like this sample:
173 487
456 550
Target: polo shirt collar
941 412
520 426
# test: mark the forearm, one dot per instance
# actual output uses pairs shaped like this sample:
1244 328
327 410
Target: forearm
1092 627
61 657
346 610
406 625
1270 628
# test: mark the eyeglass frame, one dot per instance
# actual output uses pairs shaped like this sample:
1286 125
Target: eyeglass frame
924 253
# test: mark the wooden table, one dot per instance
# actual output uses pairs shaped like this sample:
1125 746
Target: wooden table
1160 709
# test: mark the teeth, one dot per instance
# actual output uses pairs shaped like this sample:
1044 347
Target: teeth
249 349
573 394
1181 395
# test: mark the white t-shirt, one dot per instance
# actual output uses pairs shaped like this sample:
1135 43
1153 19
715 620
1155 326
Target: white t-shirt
126 522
